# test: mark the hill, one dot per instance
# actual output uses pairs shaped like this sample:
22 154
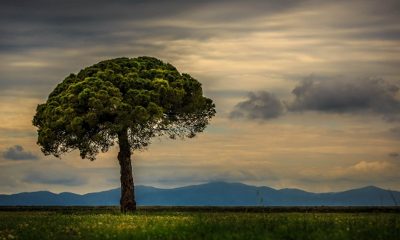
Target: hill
210 194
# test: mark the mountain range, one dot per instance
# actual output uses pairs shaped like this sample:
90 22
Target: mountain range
211 194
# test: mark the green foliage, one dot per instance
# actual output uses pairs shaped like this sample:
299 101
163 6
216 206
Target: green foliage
141 96
198 225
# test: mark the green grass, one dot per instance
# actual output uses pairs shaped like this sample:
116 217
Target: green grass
197 225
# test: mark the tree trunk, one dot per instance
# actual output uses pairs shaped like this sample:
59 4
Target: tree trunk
127 202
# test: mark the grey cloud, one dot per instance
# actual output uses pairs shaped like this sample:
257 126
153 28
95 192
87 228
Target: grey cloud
341 96
373 96
75 11
28 24
67 35
259 105
394 154
17 152
103 29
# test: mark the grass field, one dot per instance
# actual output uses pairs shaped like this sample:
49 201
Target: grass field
205 224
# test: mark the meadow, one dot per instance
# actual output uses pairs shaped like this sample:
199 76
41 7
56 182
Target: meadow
169 223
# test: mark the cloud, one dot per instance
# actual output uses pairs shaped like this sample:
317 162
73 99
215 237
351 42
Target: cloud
17 152
372 96
226 39
34 34
348 96
43 23
67 23
394 154
259 105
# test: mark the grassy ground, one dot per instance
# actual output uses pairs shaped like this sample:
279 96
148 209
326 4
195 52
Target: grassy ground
79 224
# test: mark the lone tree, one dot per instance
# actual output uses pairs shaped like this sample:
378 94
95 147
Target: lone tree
126 101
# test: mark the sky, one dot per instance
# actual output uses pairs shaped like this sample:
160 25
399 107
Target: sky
307 92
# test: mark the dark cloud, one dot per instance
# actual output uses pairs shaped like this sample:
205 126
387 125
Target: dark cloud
75 11
394 154
17 152
348 96
259 105
104 29
67 35
28 24
373 96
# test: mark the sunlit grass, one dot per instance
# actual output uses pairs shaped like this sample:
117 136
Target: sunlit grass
198 225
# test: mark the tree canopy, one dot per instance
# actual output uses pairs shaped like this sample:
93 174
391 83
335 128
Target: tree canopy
142 96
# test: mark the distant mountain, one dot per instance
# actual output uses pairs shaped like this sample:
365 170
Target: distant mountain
211 194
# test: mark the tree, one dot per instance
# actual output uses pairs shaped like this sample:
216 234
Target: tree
127 101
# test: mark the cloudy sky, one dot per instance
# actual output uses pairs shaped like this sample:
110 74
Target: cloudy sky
307 92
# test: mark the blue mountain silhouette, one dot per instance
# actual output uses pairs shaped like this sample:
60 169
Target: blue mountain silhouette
211 194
